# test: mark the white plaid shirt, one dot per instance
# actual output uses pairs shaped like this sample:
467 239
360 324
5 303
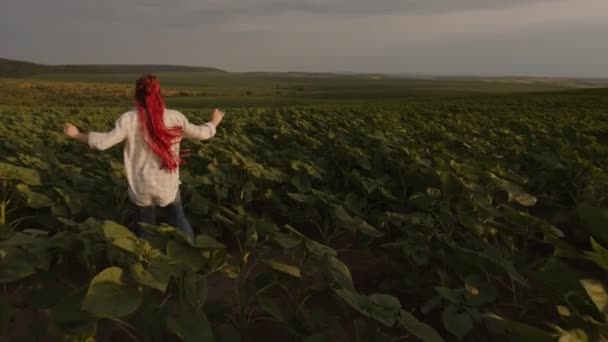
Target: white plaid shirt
148 183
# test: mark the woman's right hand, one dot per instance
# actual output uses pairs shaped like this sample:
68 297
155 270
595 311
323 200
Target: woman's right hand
216 117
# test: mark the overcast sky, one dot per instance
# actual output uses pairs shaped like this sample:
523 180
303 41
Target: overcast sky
448 37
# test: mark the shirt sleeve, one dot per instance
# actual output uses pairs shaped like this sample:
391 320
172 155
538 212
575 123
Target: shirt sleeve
105 140
197 132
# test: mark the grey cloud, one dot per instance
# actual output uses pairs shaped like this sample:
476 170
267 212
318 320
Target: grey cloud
360 7
366 7
312 35
182 13
201 13
192 13
564 49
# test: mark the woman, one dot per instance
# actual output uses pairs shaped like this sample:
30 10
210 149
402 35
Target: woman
151 152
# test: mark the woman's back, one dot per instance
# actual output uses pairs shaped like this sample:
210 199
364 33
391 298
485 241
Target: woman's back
149 182
152 135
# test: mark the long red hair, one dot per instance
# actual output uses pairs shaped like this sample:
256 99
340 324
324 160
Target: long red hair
151 108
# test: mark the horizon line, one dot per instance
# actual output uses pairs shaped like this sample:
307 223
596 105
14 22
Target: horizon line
358 73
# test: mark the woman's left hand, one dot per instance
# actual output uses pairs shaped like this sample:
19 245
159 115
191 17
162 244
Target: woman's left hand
71 130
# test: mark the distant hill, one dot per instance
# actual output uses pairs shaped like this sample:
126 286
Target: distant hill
14 68
129 69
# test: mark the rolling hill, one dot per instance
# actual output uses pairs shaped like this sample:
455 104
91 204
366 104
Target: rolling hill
15 68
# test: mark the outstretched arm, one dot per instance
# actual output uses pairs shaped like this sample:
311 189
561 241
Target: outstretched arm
204 131
73 132
100 141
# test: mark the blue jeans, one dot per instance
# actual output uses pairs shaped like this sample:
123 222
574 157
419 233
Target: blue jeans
176 218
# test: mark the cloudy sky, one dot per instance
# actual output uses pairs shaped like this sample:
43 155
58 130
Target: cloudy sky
440 37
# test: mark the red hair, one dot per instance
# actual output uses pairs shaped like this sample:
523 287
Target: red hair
151 108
